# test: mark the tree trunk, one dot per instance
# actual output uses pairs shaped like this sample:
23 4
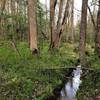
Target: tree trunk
60 25
97 34
92 19
70 35
52 21
46 30
56 37
60 14
32 25
72 21
13 20
2 7
83 32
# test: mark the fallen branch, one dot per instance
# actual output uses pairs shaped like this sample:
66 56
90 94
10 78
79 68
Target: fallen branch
69 67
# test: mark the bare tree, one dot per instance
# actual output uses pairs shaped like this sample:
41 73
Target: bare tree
57 32
72 21
70 30
13 19
83 27
56 39
46 30
92 18
96 28
2 7
52 19
97 34
32 25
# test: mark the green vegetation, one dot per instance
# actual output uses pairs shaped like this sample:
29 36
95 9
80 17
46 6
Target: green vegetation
23 76
40 42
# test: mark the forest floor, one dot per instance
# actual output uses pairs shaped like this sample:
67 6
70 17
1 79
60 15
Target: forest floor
23 76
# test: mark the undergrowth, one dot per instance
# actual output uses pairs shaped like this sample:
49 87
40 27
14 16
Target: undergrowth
23 76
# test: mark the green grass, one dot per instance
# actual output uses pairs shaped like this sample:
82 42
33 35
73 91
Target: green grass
22 76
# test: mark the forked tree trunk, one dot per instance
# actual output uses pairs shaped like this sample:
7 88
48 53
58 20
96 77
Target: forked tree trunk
97 34
55 41
60 25
83 32
32 25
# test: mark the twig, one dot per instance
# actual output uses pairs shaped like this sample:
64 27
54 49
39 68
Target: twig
15 47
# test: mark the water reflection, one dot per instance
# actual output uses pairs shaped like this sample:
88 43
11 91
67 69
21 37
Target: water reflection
72 86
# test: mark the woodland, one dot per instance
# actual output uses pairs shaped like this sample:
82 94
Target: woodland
40 43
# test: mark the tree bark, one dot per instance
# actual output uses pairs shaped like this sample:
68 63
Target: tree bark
72 21
70 35
2 7
60 25
57 31
13 20
60 15
83 27
32 25
92 19
46 30
52 20
97 34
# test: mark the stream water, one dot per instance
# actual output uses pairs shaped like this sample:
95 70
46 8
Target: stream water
72 86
